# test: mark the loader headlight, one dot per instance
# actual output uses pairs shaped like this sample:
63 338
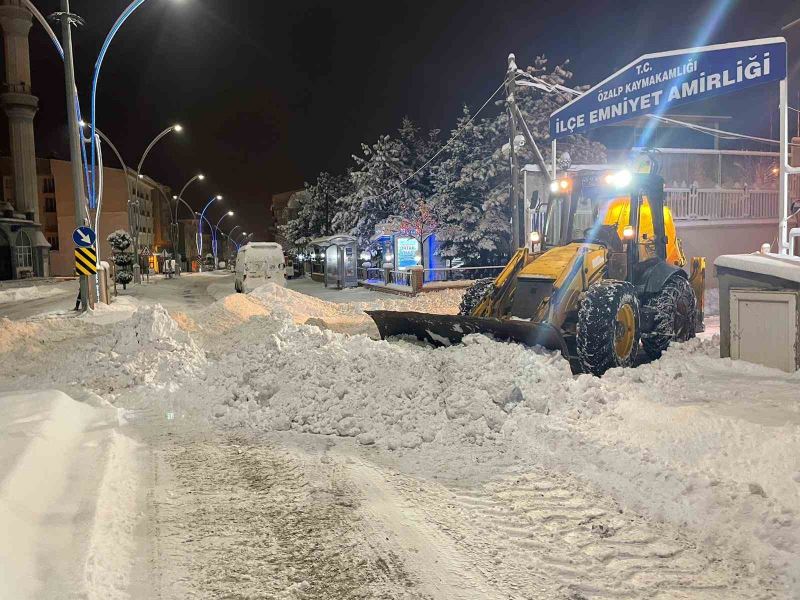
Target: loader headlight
619 179
559 185
535 237
627 232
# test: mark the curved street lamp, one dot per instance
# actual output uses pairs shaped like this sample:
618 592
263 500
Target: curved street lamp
201 217
135 225
200 225
198 177
230 237
214 232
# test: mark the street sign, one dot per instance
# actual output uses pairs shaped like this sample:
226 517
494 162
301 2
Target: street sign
85 261
655 83
84 237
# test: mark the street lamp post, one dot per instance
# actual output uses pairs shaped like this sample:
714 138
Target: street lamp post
135 222
214 237
230 236
198 177
74 134
200 227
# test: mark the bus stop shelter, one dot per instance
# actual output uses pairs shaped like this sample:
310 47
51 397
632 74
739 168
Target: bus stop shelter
340 260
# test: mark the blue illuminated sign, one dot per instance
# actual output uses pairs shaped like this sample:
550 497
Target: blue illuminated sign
407 253
655 83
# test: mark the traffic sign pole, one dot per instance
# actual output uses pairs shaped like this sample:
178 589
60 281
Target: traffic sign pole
74 135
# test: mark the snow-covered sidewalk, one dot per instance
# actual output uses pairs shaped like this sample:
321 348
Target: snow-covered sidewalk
36 292
67 498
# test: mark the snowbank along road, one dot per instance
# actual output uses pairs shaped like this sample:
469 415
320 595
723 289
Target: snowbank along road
269 446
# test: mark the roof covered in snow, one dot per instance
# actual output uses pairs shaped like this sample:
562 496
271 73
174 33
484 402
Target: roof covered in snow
774 265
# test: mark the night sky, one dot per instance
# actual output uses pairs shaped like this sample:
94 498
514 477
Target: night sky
272 93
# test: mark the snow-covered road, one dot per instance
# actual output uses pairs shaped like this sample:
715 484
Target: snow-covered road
263 446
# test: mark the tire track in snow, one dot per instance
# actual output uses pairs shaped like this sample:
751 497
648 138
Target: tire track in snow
238 518
545 536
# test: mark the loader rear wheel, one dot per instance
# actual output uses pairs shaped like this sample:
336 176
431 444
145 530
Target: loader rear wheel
608 327
475 295
674 316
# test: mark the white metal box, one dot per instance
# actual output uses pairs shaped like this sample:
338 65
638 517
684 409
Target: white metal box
765 328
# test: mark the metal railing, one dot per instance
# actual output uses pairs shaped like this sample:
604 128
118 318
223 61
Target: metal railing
461 273
715 204
400 278
384 276
375 274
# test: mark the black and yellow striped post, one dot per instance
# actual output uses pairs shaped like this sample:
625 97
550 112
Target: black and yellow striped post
86 261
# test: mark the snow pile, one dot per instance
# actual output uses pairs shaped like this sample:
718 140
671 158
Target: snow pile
33 335
13 333
148 348
690 438
34 292
348 317
284 376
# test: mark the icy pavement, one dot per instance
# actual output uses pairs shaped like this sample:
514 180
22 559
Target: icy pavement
290 455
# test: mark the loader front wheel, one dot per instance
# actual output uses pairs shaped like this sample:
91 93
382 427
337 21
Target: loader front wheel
674 316
608 327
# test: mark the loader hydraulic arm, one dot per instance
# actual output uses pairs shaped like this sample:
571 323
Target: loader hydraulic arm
495 304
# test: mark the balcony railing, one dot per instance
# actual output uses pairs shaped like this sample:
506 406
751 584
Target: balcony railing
716 204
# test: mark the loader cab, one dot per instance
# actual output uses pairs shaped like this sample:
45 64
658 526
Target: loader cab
620 210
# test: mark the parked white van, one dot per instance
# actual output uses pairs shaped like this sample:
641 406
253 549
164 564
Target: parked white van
258 263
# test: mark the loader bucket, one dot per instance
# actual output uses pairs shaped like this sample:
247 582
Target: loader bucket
444 330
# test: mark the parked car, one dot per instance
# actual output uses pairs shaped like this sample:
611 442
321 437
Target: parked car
258 263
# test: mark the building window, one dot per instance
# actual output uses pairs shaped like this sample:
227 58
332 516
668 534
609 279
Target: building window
52 239
24 251
48 185
50 205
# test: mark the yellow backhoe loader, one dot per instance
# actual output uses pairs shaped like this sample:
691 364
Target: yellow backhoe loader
604 274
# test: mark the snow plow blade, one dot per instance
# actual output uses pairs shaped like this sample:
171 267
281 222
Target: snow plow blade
445 330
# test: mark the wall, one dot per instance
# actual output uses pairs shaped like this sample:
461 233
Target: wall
713 238
114 214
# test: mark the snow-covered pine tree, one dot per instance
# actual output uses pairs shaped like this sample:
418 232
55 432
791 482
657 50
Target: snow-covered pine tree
470 195
472 179
379 179
318 211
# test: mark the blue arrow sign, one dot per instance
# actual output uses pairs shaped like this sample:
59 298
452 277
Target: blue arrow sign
84 237
655 83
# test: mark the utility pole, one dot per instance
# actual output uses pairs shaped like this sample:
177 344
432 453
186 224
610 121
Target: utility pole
74 135
512 125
